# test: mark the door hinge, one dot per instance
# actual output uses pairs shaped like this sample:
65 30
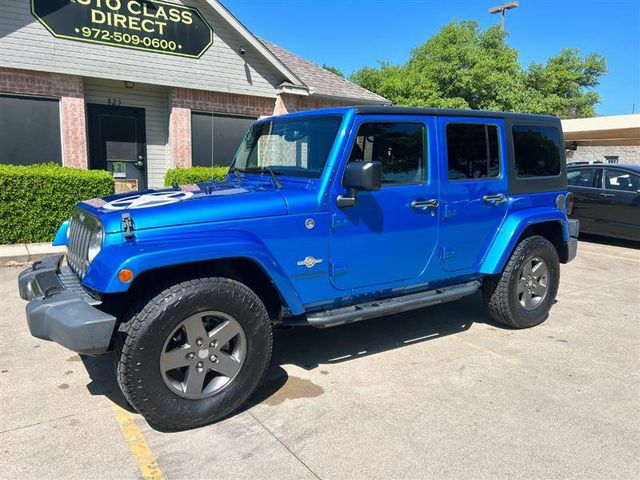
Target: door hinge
338 221
446 253
338 269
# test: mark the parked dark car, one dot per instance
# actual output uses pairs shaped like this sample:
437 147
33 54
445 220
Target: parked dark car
606 199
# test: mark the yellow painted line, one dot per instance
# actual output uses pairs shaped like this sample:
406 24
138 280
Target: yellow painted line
139 447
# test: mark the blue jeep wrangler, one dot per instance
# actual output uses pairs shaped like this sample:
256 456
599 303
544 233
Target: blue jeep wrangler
326 217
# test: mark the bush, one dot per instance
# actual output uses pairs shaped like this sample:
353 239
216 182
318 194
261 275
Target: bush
186 176
36 199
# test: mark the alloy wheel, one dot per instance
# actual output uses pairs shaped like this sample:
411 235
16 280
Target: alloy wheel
203 355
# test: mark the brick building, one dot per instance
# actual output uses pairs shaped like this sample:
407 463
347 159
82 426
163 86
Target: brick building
140 86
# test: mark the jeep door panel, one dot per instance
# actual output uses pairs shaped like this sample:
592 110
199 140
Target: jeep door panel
384 239
474 198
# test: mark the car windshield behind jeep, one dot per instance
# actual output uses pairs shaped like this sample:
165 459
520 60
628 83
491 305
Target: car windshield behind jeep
296 147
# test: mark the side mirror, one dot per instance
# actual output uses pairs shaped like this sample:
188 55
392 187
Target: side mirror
365 176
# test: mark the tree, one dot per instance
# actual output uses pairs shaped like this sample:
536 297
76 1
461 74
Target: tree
332 69
465 67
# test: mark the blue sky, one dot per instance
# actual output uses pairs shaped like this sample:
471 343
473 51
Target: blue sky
351 34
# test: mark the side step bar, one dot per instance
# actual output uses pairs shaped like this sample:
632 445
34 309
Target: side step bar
364 311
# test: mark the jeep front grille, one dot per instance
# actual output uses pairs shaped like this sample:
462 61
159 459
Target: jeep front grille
81 226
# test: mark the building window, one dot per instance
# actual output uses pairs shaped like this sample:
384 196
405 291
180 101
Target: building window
611 158
537 151
215 138
472 151
400 147
29 130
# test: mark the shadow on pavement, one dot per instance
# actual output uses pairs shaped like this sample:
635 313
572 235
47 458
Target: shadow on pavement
610 241
309 348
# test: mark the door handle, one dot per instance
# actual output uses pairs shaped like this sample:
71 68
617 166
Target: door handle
433 203
607 195
495 199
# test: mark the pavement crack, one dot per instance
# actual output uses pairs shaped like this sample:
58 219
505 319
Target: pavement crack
285 446
36 424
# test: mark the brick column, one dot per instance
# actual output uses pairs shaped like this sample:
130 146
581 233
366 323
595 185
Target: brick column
70 90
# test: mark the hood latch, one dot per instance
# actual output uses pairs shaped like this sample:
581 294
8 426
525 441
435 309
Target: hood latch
127 225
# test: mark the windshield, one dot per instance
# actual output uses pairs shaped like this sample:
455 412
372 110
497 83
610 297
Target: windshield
297 147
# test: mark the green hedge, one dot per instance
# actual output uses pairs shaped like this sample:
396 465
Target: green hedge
187 176
35 199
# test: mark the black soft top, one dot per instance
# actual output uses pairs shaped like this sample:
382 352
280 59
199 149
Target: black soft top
449 112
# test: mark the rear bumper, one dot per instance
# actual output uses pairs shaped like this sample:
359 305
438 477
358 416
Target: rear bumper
61 311
570 248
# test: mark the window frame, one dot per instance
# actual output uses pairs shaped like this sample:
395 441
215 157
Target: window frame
604 174
500 156
560 151
426 180
531 185
594 180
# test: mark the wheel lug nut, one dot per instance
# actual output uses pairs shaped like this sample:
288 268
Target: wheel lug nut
190 355
213 344
199 342
213 358
199 365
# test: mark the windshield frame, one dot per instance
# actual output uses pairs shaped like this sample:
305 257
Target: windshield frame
277 170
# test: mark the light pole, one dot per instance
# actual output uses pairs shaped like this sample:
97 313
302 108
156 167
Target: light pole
502 9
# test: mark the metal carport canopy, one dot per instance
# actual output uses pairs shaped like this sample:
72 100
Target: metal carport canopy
617 130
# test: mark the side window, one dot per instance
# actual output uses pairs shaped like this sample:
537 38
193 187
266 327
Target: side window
472 151
582 177
621 180
400 147
536 150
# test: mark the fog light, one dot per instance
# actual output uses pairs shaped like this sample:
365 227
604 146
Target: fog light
125 275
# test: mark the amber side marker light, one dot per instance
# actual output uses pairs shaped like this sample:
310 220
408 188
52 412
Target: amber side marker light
125 275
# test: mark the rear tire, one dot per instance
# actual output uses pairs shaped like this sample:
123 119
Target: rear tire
194 352
522 295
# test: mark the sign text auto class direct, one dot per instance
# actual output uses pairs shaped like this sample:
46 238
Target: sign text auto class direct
151 25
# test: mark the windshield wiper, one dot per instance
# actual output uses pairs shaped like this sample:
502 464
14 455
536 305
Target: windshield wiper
269 171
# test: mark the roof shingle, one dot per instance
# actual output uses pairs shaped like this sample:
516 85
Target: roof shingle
321 81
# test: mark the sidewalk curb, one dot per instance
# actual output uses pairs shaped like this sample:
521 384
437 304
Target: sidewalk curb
22 253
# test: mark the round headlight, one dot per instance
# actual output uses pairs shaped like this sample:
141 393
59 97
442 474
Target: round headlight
95 243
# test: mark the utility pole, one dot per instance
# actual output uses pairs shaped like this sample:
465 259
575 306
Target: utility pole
502 10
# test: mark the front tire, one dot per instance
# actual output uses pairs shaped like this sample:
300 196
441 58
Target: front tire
194 352
522 295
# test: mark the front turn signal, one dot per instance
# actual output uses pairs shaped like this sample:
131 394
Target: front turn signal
125 275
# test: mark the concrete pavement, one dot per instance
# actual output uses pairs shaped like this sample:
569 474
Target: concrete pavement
437 393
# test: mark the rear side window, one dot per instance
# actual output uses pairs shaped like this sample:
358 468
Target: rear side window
621 180
536 150
400 147
472 151
581 178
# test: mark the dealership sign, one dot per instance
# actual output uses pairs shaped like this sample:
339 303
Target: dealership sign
149 25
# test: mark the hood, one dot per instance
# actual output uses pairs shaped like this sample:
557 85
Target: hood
201 203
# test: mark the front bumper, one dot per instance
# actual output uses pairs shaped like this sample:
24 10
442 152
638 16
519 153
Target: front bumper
570 249
60 310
